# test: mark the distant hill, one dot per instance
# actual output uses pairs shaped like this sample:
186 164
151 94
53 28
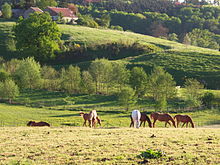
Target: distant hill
180 60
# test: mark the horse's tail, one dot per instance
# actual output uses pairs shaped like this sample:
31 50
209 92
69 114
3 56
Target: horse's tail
192 124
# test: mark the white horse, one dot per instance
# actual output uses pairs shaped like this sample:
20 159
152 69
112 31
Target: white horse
92 118
136 116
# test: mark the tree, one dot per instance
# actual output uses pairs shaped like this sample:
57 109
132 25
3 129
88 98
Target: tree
203 38
159 30
73 8
208 98
101 71
43 4
172 37
88 84
120 75
37 36
127 97
186 40
51 80
105 20
161 86
193 92
138 80
71 79
8 90
6 11
28 74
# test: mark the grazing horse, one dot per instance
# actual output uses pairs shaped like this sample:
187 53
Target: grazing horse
37 124
162 117
185 119
136 116
143 119
91 117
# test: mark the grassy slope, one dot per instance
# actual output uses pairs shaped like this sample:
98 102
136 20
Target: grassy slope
107 146
178 59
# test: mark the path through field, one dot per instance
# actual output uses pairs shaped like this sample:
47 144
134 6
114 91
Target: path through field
77 145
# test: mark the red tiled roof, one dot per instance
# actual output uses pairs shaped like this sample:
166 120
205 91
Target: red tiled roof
64 11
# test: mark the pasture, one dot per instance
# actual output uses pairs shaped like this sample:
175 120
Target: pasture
77 145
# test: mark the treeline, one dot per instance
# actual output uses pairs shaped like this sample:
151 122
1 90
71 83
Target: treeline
102 77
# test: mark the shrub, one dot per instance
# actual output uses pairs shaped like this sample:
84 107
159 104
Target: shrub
151 154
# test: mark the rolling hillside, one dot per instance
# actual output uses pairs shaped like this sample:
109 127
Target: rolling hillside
180 60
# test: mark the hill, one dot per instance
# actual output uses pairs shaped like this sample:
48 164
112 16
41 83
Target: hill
180 60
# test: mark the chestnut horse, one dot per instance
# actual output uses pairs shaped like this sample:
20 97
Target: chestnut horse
91 117
38 124
143 119
162 117
136 116
185 119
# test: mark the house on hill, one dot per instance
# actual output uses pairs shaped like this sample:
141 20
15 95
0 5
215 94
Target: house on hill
65 13
31 10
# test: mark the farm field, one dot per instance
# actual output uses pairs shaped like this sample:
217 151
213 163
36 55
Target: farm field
77 145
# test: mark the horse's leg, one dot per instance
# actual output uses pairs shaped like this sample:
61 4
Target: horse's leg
84 124
154 123
183 124
144 123
187 124
177 123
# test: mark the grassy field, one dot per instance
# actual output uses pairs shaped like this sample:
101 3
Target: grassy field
77 145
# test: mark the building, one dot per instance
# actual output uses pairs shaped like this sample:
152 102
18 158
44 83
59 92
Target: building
66 14
31 10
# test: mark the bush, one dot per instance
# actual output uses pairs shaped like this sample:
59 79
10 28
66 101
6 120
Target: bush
151 154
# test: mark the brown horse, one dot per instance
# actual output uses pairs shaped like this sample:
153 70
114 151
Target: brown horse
37 124
143 119
91 118
162 117
185 119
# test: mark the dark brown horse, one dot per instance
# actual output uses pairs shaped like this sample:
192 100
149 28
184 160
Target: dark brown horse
185 119
165 117
143 119
90 119
37 124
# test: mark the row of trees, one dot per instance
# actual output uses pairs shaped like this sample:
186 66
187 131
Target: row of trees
102 77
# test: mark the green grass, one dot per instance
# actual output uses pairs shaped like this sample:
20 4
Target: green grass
61 110
180 60
77 145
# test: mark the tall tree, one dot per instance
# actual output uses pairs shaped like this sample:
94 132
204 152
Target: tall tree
193 92
43 4
138 80
28 74
71 79
161 86
37 36
8 90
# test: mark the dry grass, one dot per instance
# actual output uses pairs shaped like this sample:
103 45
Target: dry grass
77 145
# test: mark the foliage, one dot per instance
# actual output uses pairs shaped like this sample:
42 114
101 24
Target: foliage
173 37
126 97
6 11
203 38
71 79
43 4
28 74
8 90
151 154
161 86
88 84
138 81
193 92
3 75
87 20
208 98
37 36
